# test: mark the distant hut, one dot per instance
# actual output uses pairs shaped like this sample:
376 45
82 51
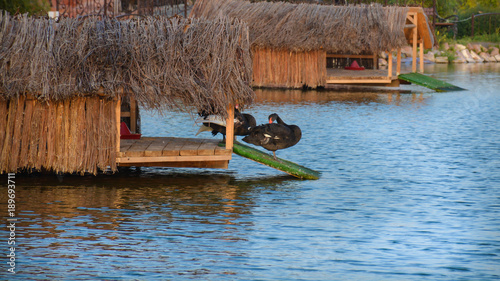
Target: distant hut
62 83
291 43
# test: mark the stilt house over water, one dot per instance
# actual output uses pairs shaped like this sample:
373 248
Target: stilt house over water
296 45
62 83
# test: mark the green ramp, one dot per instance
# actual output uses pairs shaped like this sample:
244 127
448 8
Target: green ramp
291 168
429 82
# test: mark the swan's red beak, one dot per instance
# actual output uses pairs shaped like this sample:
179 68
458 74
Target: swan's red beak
270 120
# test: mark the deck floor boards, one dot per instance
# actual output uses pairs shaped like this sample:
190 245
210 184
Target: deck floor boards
167 146
339 75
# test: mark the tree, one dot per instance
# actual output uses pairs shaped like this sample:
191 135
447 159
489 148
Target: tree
33 7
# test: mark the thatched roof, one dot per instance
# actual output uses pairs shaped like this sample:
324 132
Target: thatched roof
159 61
305 27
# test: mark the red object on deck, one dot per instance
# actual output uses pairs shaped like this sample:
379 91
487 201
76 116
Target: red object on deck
126 134
354 66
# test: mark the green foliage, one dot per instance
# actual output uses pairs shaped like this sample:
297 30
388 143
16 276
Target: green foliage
450 54
32 7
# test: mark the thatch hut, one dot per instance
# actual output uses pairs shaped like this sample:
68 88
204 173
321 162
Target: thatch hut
62 83
291 43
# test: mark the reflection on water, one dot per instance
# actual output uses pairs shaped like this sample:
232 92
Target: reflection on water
410 190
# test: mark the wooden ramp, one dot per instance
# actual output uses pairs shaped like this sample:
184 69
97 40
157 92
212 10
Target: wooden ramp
429 82
173 152
280 164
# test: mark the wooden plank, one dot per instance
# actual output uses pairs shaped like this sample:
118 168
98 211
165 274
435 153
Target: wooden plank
137 149
207 147
429 82
421 56
389 66
191 146
424 31
156 147
414 45
126 144
222 164
118 124
144 159
398 62
351 56
133 115
279 164
358 81
230 125
222 151
173 147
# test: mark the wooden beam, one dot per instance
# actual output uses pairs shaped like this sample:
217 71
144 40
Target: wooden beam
422 25
359 81
398 62
414 50
133 115
421 55
351 56
411 17
193 164
118 124
389 66
158 159
230 127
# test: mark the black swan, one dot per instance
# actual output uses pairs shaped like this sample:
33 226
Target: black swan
274 136
243 122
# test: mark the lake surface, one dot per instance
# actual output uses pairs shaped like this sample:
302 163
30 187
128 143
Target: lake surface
410 190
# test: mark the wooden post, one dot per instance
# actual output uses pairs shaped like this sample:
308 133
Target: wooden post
389 65
230 127
118 124
414 49
398 62
421 55
133 115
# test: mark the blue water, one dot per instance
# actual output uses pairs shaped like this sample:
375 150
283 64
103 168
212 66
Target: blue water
410 190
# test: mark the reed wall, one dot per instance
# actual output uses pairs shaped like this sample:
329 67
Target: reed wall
288 69
71 135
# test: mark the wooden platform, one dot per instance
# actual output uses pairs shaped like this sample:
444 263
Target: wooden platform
367 76
173 152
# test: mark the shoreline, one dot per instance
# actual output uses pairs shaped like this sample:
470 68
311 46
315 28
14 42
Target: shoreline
484 52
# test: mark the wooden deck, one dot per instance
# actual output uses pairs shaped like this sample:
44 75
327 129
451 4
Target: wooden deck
367 76
173 152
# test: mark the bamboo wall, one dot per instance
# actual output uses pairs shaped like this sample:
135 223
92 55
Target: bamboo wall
74 135
287 69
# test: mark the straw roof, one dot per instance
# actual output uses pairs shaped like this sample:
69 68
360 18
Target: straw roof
160 62
306 27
